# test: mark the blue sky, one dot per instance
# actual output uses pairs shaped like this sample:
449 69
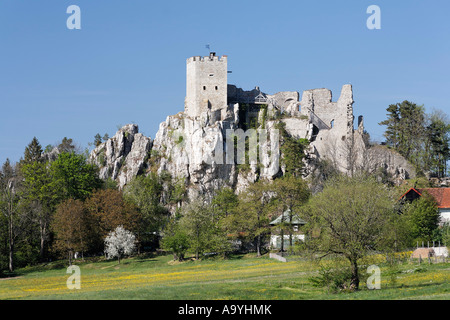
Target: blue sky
127 63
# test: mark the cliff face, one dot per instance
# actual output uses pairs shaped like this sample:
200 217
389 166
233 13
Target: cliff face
204 153
196 150
123 156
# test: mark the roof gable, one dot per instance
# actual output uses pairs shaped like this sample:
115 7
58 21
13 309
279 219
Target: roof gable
411 194
284 217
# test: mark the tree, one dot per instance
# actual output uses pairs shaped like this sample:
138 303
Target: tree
252 221
145 193
196 223
405 129
66 146
41 197
292 151
421 218
175 240
38 191
74 177
73 228
354 216
421 138
291 193
223 207
10 207
224 202
119 243
97 140
33 152
437 150
105 137
109 210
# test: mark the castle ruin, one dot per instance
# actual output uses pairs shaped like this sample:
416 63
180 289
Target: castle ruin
186 143
328 125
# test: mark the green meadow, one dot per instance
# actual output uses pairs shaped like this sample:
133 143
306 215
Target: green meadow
239 277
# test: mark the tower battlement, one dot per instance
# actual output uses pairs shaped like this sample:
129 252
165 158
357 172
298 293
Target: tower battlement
211 57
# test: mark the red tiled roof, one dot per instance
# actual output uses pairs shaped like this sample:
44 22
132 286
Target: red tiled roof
441 195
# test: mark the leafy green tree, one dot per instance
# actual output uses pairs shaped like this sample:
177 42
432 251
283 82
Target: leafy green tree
422 219
197 223
351 217
48 148
38 193
252 220
74 177
293 152
291 193
175 240
146 193
41 197
223 207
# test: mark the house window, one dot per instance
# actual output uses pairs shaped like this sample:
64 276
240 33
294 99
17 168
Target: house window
217 88
211 74
295 228
204 87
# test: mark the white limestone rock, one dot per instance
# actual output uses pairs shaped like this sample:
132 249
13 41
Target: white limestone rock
123 156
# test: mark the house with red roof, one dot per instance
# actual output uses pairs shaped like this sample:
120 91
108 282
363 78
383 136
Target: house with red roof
440 195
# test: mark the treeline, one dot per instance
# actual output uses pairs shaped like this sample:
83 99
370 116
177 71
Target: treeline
422 138
231 222
53 204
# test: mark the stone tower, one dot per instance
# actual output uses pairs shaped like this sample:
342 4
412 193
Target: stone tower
206 86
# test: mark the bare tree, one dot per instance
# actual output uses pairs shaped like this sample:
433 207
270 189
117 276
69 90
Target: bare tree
10 207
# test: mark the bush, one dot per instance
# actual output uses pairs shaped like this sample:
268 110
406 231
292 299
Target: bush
334 279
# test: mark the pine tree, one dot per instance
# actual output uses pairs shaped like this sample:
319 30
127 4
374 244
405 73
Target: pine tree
33 152
97 140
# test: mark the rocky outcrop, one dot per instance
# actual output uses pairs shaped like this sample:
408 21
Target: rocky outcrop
123 156
203 153
382 160
196 151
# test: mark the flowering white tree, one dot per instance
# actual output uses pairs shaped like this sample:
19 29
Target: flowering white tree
119 242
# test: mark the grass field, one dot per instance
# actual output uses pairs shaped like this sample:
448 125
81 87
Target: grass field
241 277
